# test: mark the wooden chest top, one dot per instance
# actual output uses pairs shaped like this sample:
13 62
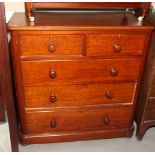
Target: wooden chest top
77 20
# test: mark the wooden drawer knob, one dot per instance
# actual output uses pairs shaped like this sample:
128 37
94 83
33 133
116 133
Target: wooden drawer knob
117 47
114 72
53 98
51 48
52 74
109 95
53 124
105 120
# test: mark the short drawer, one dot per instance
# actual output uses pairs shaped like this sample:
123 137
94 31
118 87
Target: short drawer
75 95
150 110
51 45
109 44
79 71
77 120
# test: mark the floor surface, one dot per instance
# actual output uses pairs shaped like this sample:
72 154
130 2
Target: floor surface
5 145
104 145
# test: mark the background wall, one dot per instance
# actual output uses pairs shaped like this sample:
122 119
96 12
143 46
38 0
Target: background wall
14 6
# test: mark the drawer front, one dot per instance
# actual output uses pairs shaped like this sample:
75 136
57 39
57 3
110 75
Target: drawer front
77 120
73 95
150 110
51 45
82 71
124 44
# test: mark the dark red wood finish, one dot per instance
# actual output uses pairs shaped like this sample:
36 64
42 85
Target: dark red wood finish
90 70
6 82
145 110
2 110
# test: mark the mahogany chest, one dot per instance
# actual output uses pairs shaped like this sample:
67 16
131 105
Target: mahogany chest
77 74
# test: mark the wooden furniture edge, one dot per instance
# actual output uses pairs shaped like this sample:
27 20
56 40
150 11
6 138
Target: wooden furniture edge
29 6
6 84
37 138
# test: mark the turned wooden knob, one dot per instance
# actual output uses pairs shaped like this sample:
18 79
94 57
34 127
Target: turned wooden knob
52 74
114 72
51 48
53 98
117 47
109 95
105 120
53 124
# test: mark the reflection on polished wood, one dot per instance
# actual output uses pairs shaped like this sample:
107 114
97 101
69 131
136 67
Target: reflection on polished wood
76 21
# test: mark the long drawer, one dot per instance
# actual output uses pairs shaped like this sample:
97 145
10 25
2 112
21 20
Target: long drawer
37 73
75 95
95 118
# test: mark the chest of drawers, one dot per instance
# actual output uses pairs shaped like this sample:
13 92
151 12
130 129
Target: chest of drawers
77 76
